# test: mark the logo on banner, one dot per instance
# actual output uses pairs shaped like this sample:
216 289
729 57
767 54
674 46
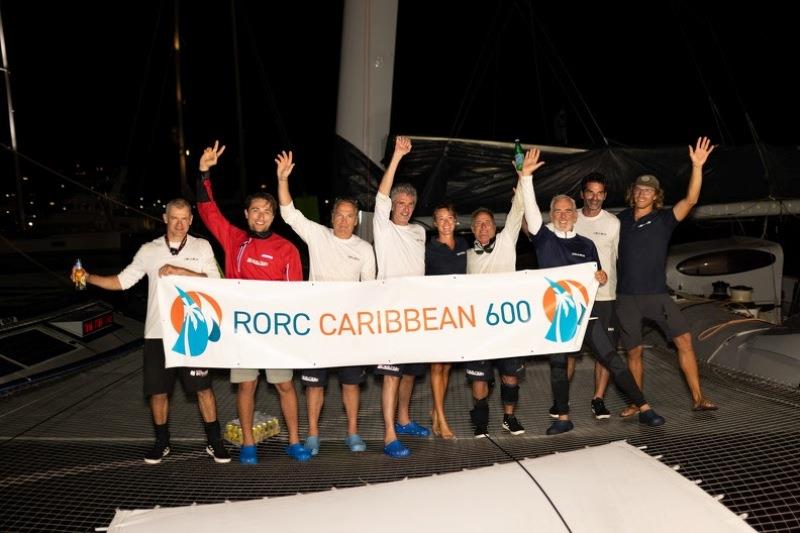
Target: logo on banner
196 317
565 303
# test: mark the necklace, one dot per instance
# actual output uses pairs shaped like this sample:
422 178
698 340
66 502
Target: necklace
176 251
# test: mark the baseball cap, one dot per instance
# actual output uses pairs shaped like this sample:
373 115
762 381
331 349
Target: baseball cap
648 180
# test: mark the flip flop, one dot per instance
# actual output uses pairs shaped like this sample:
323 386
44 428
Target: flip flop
704 405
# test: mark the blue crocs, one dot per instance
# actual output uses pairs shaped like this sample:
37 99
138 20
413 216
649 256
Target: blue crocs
297 452
248 455
560 426
412 428
312 444
396 450
356 443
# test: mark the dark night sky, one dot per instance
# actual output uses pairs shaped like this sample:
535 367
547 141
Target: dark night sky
93 81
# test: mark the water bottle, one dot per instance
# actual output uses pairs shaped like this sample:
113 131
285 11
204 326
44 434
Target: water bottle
519 154
79 276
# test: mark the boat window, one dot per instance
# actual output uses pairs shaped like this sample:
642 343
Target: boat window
725 262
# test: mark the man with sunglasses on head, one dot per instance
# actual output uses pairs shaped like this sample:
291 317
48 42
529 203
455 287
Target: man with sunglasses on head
336 254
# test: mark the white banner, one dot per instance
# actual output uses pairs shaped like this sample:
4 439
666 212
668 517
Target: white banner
226 323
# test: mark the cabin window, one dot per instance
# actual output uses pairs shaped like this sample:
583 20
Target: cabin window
725 262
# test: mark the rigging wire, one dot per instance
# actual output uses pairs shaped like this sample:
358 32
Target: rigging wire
570 82
726 138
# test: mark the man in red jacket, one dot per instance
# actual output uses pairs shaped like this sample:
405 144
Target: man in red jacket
257 253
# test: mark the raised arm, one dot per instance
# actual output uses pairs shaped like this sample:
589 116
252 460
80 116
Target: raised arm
533 217
699 156
285 165
402 145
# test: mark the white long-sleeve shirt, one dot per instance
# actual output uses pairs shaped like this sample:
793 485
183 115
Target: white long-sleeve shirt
503 257
332 258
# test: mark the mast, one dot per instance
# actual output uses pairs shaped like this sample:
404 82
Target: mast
12 129
366 72
176 46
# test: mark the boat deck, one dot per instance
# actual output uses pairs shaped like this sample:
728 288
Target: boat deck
72 448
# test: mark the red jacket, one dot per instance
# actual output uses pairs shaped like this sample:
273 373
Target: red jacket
247 257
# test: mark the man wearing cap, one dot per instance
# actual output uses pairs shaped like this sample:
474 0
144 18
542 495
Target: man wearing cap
558 245
645 232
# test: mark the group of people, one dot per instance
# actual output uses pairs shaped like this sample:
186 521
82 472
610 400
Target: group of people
629 250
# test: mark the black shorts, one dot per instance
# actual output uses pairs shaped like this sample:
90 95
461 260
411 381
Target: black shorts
484 371
318 377
632 309
408 369
161 380
606 314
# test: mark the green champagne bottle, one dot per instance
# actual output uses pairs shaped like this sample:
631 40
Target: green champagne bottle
519 154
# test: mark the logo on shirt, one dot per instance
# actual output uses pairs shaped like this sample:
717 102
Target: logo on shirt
257 262
196 317
643 224
565 303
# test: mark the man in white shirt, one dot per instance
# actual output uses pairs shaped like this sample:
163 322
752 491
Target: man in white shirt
335 255
602 228
400 251
495 252
176 253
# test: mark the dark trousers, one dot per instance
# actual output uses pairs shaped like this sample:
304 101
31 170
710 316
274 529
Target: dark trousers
597 338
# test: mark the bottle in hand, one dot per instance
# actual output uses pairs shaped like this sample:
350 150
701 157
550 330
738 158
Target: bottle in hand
519 154
79 276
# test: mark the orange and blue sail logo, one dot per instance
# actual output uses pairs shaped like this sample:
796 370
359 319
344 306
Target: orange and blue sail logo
196 317
565 303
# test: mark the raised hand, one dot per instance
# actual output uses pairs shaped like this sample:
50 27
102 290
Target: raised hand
531 163
700 153
210 156
402 145
284 165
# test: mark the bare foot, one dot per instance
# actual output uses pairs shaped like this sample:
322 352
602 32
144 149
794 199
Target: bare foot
629 411
446 432
435 427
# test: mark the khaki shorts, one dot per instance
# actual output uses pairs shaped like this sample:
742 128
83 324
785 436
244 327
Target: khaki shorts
280 375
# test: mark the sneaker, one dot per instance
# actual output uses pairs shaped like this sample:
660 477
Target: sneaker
553 412
248 455
412 428
297 452
512 425
218 452
560 426
651 418
159 451
481 431
312 444
599 409
355 443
